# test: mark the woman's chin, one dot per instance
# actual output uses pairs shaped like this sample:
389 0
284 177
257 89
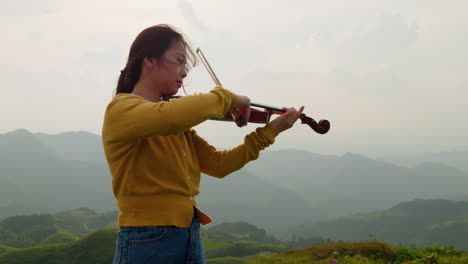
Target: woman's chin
174 91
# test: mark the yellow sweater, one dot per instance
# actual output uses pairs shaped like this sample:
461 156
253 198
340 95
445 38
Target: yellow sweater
155 157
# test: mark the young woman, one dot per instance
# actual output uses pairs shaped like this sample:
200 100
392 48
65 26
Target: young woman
156 157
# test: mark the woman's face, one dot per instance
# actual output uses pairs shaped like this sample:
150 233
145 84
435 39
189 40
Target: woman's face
169 72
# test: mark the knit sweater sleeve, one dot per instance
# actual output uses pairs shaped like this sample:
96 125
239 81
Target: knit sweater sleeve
218 163
130 117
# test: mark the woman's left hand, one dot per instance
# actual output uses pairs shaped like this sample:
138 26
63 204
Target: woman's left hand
286 120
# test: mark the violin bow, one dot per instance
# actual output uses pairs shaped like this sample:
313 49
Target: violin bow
322 127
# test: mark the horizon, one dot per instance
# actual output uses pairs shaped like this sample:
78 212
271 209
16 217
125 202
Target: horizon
404 160
378 157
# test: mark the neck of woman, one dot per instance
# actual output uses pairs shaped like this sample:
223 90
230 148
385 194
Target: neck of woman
146 90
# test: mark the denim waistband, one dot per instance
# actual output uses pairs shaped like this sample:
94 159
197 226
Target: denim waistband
140 228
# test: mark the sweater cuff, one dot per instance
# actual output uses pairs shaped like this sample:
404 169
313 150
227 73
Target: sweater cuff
233 97
270 132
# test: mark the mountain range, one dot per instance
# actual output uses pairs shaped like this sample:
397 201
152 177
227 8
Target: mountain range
52 173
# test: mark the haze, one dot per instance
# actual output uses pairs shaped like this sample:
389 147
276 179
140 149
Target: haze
389 75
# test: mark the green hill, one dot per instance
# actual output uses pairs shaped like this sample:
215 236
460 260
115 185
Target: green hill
451 233
417 223
84 220
35 226
8 238
59 238
4 249
34 229
98 247
236 231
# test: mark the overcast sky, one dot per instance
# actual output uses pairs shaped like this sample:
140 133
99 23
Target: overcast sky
390 75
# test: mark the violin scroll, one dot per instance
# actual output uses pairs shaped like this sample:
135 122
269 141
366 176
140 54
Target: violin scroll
322 127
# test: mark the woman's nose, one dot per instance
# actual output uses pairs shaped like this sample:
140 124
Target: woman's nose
183 73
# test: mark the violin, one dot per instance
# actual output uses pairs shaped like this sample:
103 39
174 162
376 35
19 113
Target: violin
261 116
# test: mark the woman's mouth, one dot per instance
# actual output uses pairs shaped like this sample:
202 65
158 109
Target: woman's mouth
179 84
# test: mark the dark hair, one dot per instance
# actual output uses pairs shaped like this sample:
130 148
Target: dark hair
150 43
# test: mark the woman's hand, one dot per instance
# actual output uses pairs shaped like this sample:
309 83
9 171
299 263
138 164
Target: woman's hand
242 110
286 120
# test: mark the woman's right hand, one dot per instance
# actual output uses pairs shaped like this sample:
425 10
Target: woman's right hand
241 111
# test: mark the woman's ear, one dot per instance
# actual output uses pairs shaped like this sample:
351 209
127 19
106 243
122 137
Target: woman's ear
149 62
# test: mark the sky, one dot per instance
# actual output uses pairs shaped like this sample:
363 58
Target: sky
390 75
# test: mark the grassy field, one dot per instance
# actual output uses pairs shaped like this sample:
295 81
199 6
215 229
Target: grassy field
4 249
210 245
99 247
365 253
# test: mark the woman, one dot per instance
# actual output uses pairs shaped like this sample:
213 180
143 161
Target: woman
156 157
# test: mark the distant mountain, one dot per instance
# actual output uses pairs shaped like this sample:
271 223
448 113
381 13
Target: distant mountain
80 146
414 223
457 159
243 196
20 146
35 178
352 183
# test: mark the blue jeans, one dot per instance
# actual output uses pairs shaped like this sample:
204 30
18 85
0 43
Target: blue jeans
160 245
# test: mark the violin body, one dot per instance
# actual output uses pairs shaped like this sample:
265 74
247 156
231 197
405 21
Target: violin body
263 117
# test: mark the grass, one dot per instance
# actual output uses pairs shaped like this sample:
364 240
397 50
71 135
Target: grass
4 249
283 259
230 260
209 245
59 238
243 249
371 249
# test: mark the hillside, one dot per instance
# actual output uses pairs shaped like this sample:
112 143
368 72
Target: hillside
416 223
96 248
32 229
